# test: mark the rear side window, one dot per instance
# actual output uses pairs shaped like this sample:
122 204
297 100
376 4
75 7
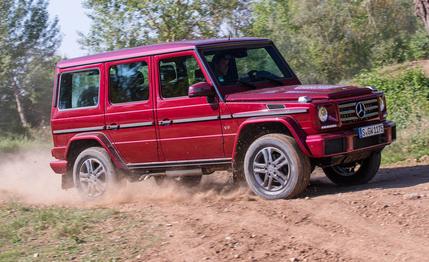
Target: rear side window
79 89
128 82
177 74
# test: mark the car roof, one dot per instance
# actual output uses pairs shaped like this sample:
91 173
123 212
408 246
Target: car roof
152 50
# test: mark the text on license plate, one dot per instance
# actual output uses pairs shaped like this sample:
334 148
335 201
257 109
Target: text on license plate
373 130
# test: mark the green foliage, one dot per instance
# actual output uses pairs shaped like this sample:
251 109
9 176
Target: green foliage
28 41
412 143
33 138
127 23
417 46
66 234
407 94
12 144
328 41
21 225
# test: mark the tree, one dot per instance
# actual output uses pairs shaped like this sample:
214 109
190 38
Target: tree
332 40
27 45
422 11
127 23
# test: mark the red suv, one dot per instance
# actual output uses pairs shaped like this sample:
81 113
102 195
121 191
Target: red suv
190 108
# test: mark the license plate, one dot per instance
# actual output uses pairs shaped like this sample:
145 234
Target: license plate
367 131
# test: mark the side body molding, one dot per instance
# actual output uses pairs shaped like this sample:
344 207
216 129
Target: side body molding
104 141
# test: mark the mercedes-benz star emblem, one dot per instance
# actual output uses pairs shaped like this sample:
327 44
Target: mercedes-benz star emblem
360 110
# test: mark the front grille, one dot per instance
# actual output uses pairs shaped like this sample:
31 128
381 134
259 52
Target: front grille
369 141
348 111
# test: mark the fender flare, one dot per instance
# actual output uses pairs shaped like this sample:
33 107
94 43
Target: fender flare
287 121
104 141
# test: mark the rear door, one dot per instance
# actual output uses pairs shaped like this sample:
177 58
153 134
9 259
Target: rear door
129 110
79 104
189 128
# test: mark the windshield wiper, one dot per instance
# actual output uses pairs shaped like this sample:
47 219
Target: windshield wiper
273 80
247 84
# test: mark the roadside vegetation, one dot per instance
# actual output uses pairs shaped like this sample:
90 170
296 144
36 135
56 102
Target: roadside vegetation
33 138
63 234
407 92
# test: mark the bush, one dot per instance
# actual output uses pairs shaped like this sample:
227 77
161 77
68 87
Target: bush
10 143
412 143
407 94
13 144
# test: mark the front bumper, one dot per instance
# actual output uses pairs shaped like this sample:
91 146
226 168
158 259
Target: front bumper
346 142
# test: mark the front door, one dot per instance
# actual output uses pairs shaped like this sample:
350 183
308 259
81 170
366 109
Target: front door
189 128
129 110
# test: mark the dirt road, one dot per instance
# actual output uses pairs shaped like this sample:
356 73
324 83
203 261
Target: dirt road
386 220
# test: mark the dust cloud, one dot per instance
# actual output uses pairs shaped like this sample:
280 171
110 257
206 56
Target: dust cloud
27 177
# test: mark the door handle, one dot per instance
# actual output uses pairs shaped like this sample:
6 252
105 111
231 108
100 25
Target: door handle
165 122
112 127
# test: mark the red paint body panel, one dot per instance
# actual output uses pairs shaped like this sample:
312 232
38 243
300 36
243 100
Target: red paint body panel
288 122
293 92
161 130
69 119
59 167
189 140
102 139
137 144
316 143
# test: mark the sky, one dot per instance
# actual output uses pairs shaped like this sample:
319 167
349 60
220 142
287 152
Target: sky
72 20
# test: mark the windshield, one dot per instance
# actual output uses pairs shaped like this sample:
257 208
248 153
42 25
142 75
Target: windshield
242 69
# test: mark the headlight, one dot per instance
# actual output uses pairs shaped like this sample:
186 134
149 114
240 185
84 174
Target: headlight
323 114
381 103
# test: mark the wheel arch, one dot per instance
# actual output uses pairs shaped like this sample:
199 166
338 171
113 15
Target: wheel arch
252 129
80 142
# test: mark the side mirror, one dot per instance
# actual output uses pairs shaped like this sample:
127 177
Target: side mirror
200 89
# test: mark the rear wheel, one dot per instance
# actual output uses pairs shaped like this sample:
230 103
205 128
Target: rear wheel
93 173
356 173
276 168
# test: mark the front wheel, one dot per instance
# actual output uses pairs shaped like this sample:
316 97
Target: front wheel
93 173
275 167
356 173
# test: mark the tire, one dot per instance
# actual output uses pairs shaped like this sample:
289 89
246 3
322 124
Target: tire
92 183
357 173
285 174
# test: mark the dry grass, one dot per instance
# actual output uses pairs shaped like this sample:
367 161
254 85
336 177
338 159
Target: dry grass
30 233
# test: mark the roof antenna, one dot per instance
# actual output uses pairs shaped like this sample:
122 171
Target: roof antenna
229 36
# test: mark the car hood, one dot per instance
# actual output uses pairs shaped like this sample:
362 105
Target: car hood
292 92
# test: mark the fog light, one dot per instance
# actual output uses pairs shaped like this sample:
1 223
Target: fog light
323 114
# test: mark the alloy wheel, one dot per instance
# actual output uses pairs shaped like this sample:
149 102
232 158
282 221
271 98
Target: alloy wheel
92 178
271 169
